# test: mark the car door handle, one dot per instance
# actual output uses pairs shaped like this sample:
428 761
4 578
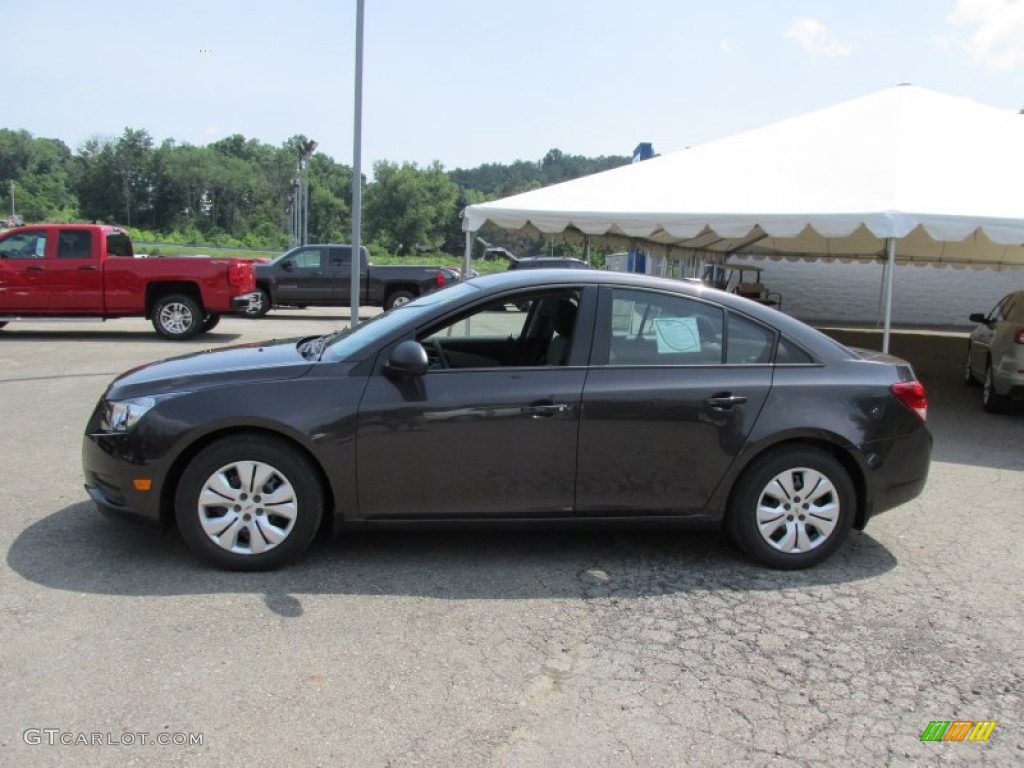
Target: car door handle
545 411
87 269
33 269
724 401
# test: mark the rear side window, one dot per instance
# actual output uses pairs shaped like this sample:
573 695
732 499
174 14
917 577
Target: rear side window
748 343
789 353
119 244
74 244
648 328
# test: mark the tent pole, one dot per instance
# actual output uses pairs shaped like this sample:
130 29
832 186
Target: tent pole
586 249
890 247
468 257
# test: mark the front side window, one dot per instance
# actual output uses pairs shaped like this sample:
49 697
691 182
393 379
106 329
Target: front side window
526 329
649 328
24 245
307 258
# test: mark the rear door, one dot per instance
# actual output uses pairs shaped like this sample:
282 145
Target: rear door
665 408
339 274
75 278
24 270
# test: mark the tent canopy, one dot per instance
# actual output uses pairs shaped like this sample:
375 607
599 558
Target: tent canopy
938 174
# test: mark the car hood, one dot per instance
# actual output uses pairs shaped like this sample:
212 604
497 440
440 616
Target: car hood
266 361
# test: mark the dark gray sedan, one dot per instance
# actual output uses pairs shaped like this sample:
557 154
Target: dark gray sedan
549 394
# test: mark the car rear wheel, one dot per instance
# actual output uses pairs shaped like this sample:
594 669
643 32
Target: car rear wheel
177 317
259 304
792 508
249 504
991 400
969 378
398 298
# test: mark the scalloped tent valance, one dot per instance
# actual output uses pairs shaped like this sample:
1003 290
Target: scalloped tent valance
938 175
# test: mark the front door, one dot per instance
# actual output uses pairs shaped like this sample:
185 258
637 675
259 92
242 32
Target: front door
490 430
24 271
301 279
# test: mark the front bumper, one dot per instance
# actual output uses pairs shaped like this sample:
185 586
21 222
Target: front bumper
110 475
242 303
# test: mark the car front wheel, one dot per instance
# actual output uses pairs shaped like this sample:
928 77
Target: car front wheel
991 400
969 378
792 508
177 317
249 504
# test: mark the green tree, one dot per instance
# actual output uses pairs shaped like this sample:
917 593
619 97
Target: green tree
409 208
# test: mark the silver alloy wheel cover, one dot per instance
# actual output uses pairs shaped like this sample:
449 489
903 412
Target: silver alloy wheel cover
176 317
797 510
255 303
247 507
400 301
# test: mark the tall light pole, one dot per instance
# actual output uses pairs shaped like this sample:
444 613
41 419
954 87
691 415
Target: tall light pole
357 171
306 149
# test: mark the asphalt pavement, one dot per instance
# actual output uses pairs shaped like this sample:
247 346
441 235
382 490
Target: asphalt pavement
477 648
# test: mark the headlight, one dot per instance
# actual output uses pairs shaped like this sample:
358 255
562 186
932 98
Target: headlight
122 415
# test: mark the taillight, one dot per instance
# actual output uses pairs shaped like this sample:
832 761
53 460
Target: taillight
439 278
1018 337
242 276
911 394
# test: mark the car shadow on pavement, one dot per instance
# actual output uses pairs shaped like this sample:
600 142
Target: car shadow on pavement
76 549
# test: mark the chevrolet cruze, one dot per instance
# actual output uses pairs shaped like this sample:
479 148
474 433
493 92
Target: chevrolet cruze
531 396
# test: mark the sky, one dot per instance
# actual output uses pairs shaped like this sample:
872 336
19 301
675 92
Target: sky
466 83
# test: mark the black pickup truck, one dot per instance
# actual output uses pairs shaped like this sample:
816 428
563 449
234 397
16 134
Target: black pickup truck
321 275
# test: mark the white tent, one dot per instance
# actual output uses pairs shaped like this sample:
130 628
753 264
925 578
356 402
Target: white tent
907 174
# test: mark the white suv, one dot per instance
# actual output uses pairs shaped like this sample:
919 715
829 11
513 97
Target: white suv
995 353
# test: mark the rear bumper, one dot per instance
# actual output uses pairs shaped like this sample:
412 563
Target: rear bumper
900 471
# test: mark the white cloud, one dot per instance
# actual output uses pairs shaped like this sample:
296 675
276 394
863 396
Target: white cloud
814 37
726 46
998 38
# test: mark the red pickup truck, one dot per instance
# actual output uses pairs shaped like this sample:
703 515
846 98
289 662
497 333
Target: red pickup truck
89 270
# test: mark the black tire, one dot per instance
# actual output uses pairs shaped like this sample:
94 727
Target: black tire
260 305
239 534
210 322
398 298
824 519
969 379
177 317
992 401
3 323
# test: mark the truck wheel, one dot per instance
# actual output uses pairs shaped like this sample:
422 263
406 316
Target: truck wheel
259 305
177 317
210 322
398 298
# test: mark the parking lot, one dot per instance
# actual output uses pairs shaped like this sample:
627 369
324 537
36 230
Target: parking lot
571 648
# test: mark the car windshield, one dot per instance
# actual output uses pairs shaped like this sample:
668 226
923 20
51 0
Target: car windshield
349 343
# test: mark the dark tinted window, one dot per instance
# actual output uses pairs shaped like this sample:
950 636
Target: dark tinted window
789 353
74 244
119 244
748 342
341 256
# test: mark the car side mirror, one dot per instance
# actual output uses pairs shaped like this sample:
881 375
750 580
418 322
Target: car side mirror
287 266
407 359
977 317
